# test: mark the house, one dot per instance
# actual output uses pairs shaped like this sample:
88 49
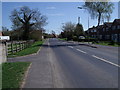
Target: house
91 32
115 30
109 31
104 31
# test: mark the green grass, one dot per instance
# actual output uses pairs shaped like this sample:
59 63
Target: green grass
107 44
32 49
13 73
62 38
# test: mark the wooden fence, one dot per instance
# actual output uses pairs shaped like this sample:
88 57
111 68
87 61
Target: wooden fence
16 46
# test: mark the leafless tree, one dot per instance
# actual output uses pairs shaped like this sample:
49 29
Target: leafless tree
27 19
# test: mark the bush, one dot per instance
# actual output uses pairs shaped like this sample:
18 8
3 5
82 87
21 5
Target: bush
75 38
111 43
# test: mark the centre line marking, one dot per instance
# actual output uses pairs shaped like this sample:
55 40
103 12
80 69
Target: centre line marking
80 50
106 61
70 46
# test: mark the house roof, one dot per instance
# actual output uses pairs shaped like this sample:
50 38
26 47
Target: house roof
117 21
100 26
108 24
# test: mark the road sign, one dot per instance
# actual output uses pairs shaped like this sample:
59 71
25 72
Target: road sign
4 37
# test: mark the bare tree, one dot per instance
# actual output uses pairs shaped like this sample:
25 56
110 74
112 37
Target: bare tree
68 29
27 19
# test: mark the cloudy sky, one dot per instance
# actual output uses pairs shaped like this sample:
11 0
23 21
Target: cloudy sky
57 13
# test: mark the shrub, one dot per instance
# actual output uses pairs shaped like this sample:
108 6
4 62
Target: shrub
111 43
75 38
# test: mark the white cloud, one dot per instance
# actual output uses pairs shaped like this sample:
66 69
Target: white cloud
51 8
56 14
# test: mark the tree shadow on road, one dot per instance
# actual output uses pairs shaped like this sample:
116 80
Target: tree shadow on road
60 45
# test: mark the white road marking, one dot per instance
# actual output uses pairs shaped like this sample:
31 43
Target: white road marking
80 50
70 46
106 61
63 42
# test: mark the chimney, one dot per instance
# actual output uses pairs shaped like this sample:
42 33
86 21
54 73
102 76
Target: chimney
78 20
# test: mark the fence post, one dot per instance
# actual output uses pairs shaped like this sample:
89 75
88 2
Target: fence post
22 45
16 47
19 45
12 47
6 49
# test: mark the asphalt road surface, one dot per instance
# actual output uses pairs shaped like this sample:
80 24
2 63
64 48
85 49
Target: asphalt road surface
86 67
62 64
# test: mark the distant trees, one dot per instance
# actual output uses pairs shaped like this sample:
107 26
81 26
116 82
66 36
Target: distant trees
25 20
71 31
36 35
68 29
79 30
99 10
5 31
53 34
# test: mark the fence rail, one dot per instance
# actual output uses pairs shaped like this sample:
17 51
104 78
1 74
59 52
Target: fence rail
16 46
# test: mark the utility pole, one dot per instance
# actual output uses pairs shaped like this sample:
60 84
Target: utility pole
88 22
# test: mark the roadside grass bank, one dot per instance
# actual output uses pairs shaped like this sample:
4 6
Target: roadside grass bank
13 74
104 43
30 50
108 44
62 38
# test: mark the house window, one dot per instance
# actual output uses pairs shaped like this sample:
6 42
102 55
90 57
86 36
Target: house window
100 36
118 27
103 29
107 29
119 37
95 30
107 36
114 27
114 37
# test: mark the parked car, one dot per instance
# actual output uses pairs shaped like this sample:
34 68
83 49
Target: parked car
81 37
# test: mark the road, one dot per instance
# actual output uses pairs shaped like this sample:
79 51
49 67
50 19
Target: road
61 64
86 67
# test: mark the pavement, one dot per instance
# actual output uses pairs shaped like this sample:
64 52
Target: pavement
61 64
2 53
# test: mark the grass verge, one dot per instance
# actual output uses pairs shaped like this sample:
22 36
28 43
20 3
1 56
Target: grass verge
13 73
107 44
32 49
62 38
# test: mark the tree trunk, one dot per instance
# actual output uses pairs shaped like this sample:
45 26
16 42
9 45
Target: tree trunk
99 18
26 32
